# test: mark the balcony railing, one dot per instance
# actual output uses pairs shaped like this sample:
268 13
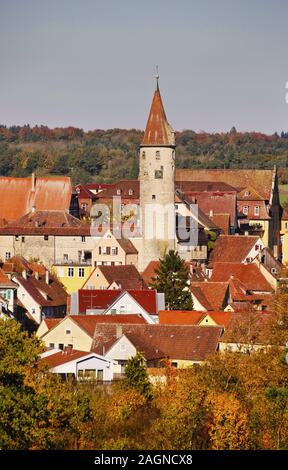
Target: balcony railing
73 262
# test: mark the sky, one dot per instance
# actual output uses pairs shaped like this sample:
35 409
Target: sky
91 63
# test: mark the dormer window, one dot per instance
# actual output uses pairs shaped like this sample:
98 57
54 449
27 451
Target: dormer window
157 155
247 193
118 192
130 192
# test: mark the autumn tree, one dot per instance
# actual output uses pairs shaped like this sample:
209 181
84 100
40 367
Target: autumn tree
172 278
37 410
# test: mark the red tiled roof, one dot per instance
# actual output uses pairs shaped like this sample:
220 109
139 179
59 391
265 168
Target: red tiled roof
53 222
191 317
205 186
260 180
96 299
186 342
158 131
89 322
215 294
124 186
5 281
120 273
93 299
249 274
248 326
213 203
262 209
54 293
149 271
223 221
18 197
62 357
51 322
231 248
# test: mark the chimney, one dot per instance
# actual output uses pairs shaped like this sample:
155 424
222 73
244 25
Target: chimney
275 251
24 274
211 213
33 209
9 275
47 277
36 274
119 331
33 181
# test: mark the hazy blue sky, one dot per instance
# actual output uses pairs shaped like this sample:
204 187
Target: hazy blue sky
91 63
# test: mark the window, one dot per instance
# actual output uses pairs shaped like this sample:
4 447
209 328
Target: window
114 250
118 192
90 374
23 239
122 347
100 375
46 237
158 174
143 155
157 155
108 250
81 272
153 196
61 346
70 272
256 210
7 255
245 210
65 256
68 332
33 311
122 308
16 238
84 205
83 239
51 345
130 192
257 247
99 250
286 224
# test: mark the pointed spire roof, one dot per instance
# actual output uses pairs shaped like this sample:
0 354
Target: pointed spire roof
158 131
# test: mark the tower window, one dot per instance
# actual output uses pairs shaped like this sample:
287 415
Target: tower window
157 154
153 196
158 174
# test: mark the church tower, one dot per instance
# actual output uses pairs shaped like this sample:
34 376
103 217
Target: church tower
156 175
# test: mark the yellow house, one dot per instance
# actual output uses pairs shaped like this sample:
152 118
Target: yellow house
284 237
77 331
72 275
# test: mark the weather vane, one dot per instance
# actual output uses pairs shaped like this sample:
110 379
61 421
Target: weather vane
157 75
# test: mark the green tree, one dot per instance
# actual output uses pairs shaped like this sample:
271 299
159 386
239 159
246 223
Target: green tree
136 376
37 410
172 278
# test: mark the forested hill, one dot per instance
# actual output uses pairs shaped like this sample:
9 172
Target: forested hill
113 154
